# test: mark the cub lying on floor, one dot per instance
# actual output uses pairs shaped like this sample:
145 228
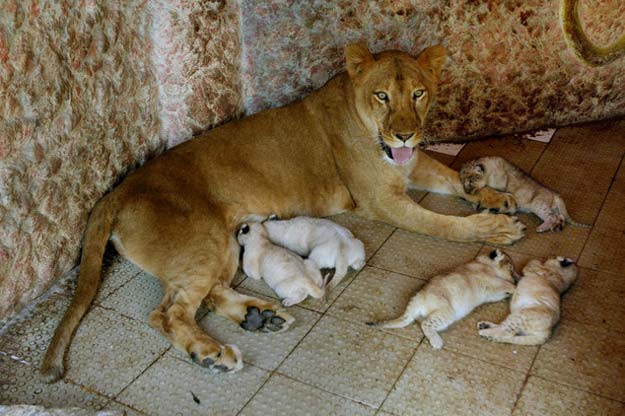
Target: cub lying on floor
450 297
535 304
290 276
498 173
326 243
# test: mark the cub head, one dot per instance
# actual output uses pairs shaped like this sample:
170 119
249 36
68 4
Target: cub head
393 93
559 271
473 176
249 231
503 264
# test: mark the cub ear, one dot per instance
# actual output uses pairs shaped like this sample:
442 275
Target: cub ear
432 59
494 254
244 229
480 167
357 54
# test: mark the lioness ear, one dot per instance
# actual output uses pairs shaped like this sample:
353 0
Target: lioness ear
432 59
356 55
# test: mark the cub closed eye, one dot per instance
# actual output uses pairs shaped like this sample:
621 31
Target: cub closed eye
418 94
381 95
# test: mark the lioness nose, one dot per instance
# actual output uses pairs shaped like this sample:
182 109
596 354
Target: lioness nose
404 136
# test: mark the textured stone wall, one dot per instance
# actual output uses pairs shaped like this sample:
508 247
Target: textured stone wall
88 90
509 67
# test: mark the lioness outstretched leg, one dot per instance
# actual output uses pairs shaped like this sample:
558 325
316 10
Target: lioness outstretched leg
175 318
250 313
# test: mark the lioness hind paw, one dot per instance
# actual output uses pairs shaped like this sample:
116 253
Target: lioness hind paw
267 320
228 360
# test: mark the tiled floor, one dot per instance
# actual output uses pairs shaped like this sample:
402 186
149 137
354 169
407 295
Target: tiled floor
331 363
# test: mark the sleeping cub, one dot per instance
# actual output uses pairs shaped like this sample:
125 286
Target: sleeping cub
326 243
450 297
530 196
535 304
291 277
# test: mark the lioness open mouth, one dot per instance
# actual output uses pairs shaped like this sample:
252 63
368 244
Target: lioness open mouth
399 155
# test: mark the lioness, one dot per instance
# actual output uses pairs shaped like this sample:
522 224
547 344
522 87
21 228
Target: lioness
351 145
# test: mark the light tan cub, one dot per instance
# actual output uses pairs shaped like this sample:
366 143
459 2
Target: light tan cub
535 305
530 196
450 297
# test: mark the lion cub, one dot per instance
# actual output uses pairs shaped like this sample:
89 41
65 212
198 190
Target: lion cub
535 304
290 276
326 243
531 196
450 297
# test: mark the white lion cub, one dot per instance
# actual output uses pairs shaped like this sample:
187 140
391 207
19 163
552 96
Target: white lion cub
328 244
535 304
290 276
450 297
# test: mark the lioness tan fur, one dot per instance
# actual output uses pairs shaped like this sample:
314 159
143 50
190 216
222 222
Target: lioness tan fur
449 297
535 304
176 216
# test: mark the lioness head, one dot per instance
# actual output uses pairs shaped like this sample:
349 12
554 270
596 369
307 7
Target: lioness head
393 93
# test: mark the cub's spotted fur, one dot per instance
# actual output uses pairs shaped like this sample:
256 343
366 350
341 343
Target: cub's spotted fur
529 195
535 305
450 297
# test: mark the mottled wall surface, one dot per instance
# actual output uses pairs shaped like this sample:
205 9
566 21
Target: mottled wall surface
88 90
509 67
196 59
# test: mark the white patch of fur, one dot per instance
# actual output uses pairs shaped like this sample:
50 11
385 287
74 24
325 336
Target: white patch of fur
326 243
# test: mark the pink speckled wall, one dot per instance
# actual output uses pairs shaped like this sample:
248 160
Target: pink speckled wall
87 92
509 67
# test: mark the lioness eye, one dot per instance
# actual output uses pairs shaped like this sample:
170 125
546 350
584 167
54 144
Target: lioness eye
418 94
381 95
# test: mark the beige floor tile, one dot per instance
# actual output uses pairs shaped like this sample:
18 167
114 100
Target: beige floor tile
239 277
22 384
377 295
116 271
521 152
612 213
284 396
168 388
596 298
371 233
605 250
585 357
446 383
29 337
568 242
420 255
109 351
349 359
113 405
318 305
573 165
447 205
544 398
264 350
462 337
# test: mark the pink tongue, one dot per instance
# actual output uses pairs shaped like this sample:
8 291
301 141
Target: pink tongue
401 155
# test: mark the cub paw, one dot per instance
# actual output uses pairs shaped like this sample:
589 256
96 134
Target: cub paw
484 325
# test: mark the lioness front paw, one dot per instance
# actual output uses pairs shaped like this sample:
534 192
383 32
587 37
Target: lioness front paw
497 229
495 201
